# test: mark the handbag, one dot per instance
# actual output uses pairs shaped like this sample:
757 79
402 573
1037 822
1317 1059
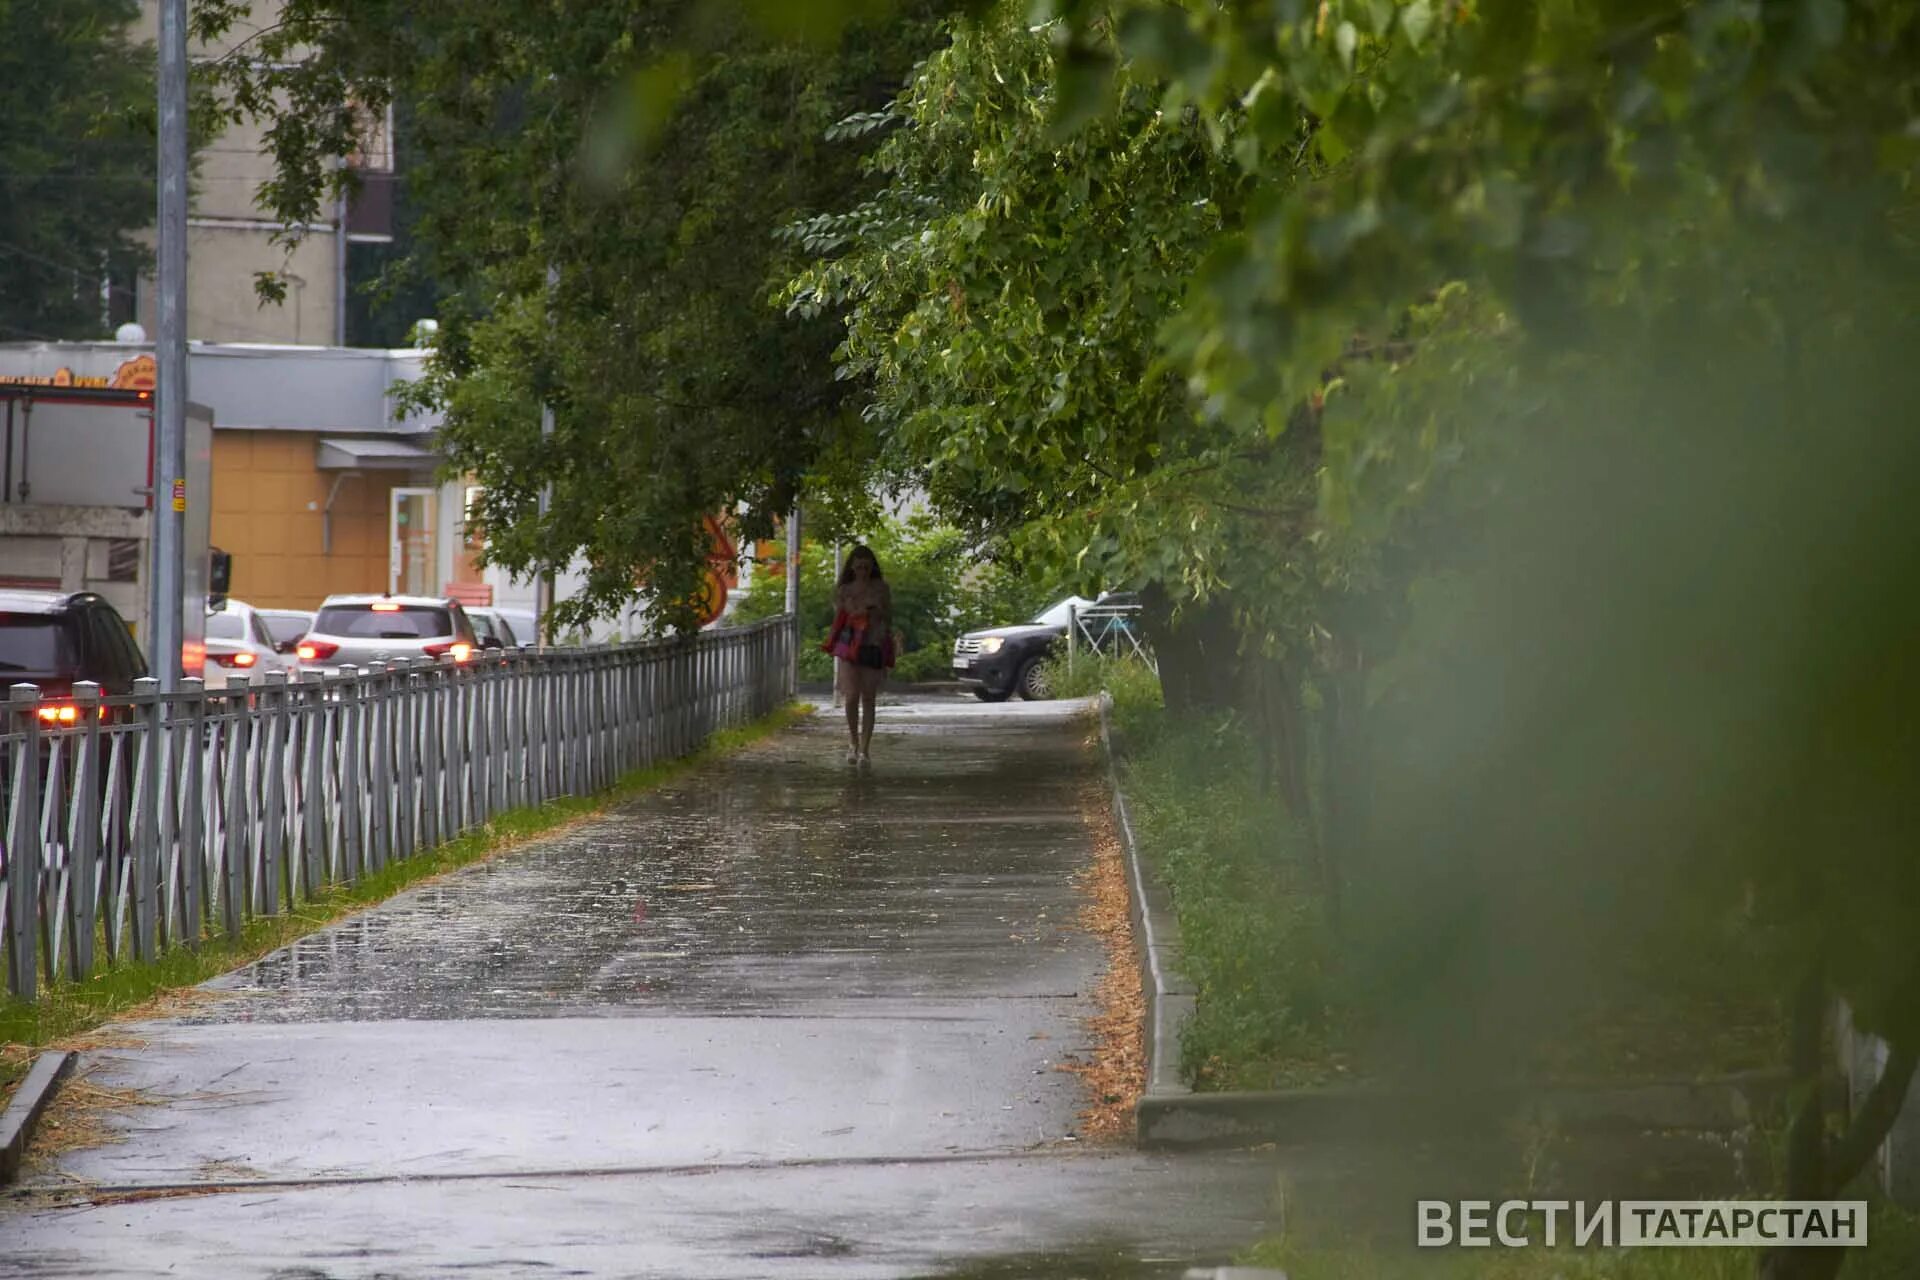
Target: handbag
871 655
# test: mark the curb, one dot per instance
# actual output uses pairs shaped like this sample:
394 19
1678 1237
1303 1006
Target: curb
29 1101
1156 941
1360 1113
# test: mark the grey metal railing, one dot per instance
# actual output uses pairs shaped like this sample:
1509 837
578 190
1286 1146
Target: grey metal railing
145 821
1110 629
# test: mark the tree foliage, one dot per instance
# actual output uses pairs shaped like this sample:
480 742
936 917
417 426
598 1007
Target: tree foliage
1534 385
645 158
1514 385
77 163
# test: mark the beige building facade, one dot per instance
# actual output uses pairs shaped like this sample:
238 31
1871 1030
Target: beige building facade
230 239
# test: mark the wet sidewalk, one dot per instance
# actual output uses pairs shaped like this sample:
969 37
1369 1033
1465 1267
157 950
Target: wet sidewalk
781 1018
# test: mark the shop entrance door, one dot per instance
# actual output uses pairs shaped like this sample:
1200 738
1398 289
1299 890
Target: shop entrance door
410 543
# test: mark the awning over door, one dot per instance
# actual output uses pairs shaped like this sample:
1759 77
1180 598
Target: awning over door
343 453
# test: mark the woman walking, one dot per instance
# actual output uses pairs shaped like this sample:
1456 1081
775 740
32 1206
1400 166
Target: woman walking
862 645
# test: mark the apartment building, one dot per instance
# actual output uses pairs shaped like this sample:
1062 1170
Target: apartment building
230 239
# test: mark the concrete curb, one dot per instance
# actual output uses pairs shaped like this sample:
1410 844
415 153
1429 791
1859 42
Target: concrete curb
29 1101
1156 942
1360 1113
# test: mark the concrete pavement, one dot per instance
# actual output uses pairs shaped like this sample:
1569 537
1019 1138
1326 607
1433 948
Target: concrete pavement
777 1019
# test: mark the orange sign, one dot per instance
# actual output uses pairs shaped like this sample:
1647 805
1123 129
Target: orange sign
61 377
137 374
723 573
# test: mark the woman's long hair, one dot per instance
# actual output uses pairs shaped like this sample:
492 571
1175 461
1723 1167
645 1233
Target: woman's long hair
846 566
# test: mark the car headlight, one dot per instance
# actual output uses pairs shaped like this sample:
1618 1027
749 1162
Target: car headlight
991 644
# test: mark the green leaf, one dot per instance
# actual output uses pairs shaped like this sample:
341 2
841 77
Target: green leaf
1346 38
1332 149
1417 20
1083 88
1164 40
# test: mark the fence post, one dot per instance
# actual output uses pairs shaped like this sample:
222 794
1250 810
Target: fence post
83 834
383 795
350 774
183 837
433 812
23 844
276 875
234 895
314 808
143 864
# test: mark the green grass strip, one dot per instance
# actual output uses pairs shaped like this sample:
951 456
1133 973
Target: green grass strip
67 1009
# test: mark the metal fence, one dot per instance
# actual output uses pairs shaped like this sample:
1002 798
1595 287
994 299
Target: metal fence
145 821
1111 630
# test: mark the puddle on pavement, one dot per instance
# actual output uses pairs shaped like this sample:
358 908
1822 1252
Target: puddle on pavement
764 881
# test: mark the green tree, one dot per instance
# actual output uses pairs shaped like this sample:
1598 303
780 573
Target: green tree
1570 282
645 157
76 165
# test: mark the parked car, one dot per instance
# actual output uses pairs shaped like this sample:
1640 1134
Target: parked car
997 662
525 626
239 643
354 630
286 626
55 639
494 630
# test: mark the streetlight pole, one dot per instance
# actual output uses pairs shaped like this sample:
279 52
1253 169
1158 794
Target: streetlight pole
543 587
166 582
839 563
793 596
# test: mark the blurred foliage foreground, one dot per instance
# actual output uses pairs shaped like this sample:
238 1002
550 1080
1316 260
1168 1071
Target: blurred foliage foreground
1504 408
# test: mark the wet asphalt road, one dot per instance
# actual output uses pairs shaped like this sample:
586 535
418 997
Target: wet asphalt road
778 1019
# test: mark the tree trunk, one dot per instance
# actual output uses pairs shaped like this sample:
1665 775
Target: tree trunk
1346 757
1282 730
1807 1175
1199 654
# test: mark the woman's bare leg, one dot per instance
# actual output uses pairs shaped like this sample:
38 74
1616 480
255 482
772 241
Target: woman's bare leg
869 697
850 694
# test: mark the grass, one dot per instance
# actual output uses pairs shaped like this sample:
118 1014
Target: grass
1278 1000
1256 943
67 1009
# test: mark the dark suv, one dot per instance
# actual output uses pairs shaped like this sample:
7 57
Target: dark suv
53 639
998 662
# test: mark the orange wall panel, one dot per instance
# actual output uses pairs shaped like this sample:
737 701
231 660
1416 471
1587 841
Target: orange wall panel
268 498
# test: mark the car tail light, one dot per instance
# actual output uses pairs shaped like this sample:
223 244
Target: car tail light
315 650
460 649
59 713
242 659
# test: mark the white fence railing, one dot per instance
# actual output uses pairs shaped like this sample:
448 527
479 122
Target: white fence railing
145 821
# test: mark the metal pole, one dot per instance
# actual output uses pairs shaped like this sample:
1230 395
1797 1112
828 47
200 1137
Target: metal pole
839 564
793 596
543 592
170 496
340 265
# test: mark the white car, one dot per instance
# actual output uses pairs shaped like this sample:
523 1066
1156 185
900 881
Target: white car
286 626
238 643
494 631
525 629
356 630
